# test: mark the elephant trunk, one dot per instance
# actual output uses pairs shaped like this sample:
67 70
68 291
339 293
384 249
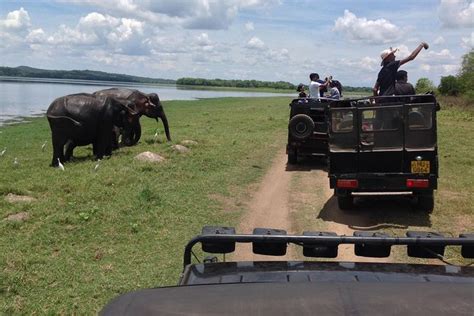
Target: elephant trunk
166 126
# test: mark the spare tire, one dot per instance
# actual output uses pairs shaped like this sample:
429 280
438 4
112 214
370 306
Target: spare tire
301 126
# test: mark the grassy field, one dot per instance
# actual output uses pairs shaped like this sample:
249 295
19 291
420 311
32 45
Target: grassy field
92 235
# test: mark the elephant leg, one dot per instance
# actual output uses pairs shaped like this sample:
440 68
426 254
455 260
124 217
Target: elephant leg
58 150
70 145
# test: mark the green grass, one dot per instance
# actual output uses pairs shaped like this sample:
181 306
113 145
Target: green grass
92 235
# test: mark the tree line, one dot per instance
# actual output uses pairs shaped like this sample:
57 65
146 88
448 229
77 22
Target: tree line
461 84
283 85
24 71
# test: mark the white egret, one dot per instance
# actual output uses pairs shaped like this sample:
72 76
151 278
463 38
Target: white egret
16 163
60 165
43 146
3 151
97 165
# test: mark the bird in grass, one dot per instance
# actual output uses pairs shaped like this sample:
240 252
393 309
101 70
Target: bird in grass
43 146
3 151
155 137
60 165
97 165
16 163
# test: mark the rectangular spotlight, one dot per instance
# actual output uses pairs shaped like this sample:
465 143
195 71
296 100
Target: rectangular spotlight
269 248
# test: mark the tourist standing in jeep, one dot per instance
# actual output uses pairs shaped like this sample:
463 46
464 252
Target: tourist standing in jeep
385 84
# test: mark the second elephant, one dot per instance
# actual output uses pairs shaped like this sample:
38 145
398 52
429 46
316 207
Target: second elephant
144 104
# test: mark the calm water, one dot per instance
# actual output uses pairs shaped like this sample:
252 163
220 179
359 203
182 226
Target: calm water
20 99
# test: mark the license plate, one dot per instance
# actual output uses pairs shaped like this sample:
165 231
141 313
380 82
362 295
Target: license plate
420 166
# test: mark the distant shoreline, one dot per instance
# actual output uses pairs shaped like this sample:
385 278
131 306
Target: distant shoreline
79 81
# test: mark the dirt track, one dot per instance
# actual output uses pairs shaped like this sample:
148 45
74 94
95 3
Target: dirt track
298 198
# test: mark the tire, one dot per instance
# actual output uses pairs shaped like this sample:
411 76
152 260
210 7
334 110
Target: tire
301 126
426 203
345 202
292 157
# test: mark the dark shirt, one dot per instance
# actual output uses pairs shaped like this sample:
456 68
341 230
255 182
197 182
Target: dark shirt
387 76
404 88
322 90
302 95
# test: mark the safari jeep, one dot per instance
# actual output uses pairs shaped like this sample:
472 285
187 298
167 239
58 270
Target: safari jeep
307 129
384 145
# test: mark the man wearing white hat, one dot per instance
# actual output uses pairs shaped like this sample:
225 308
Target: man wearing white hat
385 84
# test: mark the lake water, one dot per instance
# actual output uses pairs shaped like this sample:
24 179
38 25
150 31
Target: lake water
20 98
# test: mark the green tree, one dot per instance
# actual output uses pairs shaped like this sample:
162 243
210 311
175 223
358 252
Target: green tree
424 85
449 85
466 75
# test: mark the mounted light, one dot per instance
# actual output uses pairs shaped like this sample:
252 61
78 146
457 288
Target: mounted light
221 246
467 251
425 251
269 248
347 183
418 183
319 250
371 250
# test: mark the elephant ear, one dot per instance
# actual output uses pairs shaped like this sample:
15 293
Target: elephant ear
128 106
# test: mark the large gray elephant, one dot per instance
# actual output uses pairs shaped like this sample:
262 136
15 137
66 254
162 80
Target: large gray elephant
83 119
144 104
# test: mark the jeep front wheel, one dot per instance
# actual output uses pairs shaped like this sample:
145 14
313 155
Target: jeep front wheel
292 157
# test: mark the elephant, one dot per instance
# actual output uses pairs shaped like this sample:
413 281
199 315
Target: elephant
145 104
82 119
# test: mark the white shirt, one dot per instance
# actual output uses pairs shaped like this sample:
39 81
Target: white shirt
314 89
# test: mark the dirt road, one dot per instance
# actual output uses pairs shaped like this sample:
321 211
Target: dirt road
298 198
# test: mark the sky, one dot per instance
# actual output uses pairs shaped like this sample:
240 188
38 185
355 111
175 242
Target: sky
237 39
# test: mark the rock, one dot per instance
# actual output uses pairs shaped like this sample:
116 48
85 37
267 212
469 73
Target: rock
188 142
148 156
13 198
19 217
180 148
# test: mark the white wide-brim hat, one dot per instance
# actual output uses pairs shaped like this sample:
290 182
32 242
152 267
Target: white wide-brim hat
387 52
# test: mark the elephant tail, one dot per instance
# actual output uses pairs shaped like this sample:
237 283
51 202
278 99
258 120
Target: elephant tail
65 117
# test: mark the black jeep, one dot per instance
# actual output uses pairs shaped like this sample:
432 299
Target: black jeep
307 128
384 145
311 287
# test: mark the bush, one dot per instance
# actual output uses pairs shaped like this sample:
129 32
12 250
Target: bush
424 85
449 85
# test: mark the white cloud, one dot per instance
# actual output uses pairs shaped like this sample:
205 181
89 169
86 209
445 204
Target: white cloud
255 43
450 69
36 36
249 26
363 64
190 14
456 13
203 40
425 67
439 40
370 31
468 42
17 20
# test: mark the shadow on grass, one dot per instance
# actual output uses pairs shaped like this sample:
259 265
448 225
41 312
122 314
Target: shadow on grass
376 213
308 163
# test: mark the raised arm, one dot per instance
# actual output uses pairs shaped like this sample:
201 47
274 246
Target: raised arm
414 53
375 89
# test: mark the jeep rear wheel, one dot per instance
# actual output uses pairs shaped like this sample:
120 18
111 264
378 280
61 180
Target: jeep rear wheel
426 202
301 126
345 202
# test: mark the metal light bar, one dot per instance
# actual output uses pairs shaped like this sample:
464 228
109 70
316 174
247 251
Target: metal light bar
300 240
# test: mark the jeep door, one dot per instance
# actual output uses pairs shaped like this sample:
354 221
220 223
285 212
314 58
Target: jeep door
381 141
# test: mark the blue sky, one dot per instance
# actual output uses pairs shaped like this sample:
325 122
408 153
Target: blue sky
236 39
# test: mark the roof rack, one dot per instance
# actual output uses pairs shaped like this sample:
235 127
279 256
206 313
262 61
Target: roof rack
267 241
